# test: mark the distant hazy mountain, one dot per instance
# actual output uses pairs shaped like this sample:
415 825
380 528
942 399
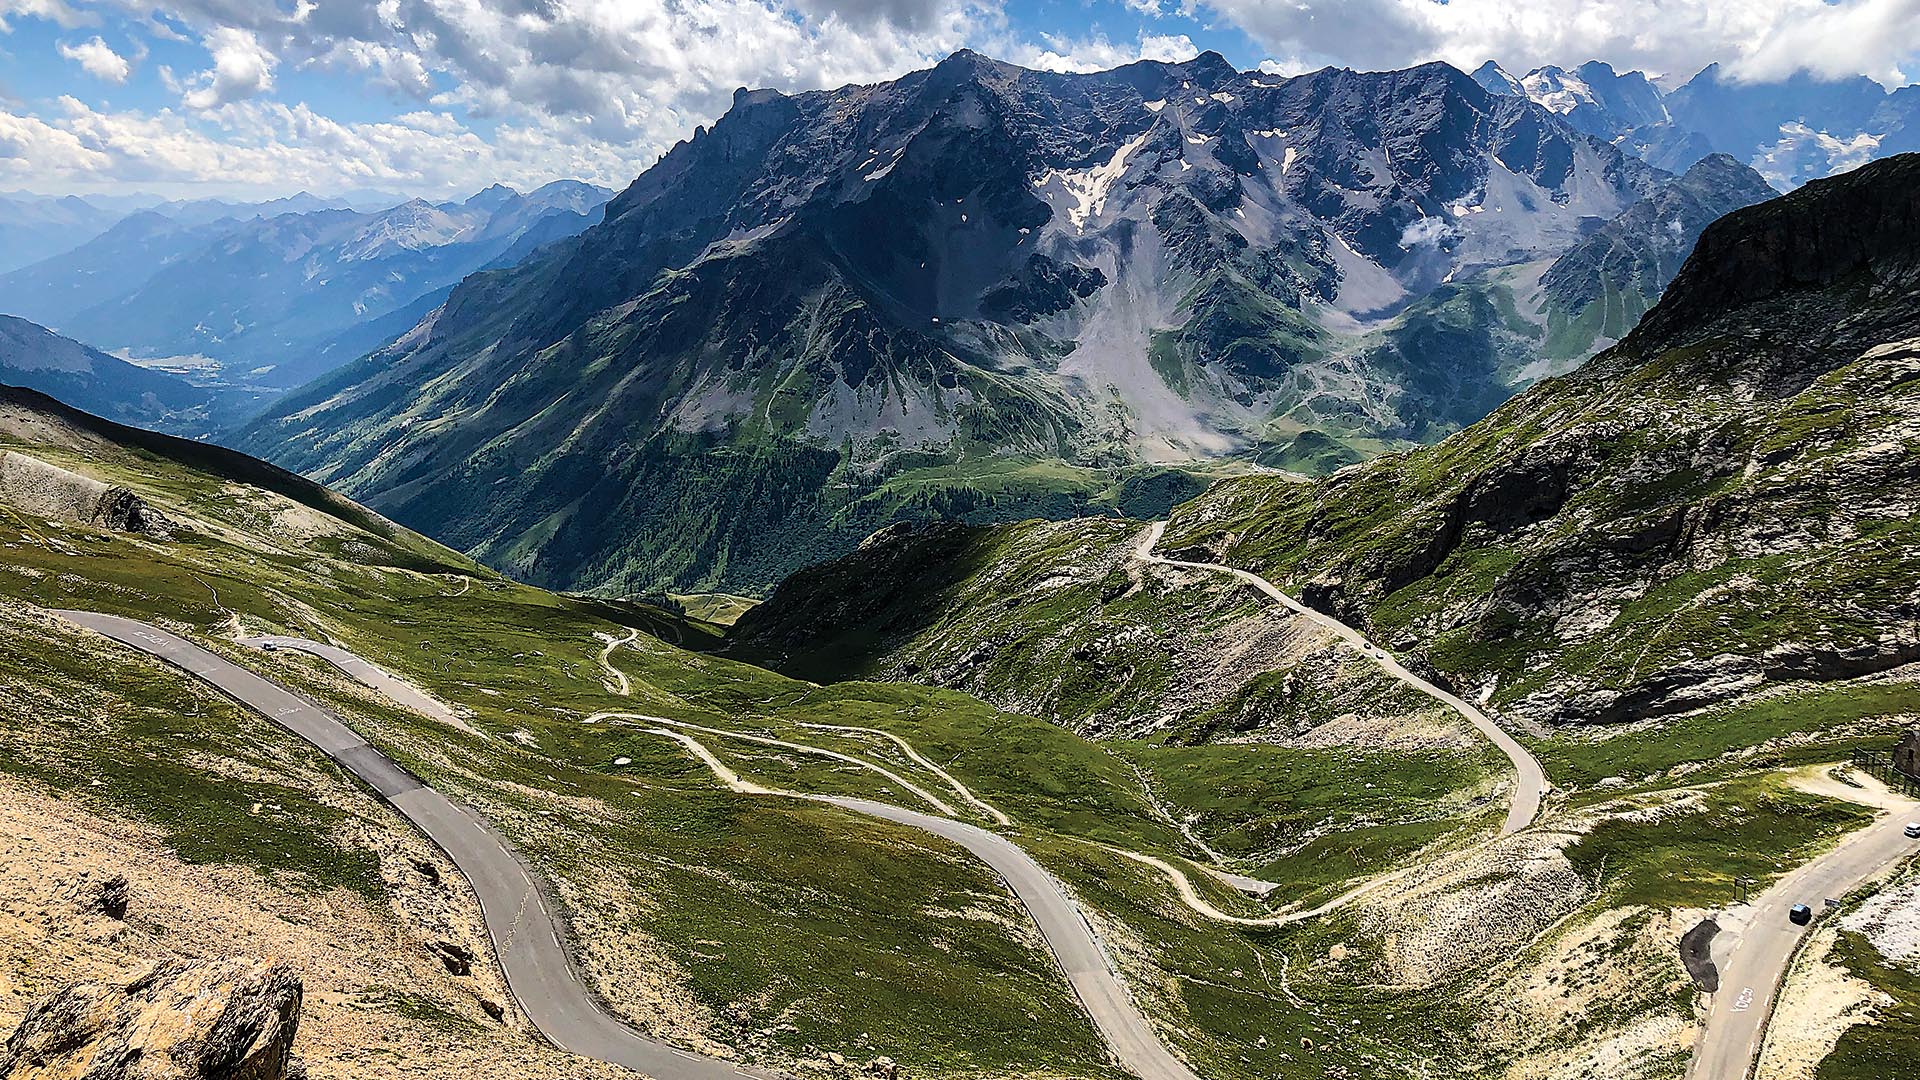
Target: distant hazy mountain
968 268
1791 131
38 227
33 227
86 378
114 263
274 299
204 211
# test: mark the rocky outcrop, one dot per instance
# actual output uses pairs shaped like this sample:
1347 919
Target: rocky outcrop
109 895
45 490
1859 228
227 1019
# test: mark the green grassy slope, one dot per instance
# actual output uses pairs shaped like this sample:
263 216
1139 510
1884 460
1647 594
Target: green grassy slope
1063 621
825 930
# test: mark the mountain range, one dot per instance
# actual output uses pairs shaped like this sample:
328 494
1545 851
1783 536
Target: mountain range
272 295
977 291
1791 131
847 306
1719 506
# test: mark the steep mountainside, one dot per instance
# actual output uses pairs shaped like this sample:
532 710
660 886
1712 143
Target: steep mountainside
1062 620
1723 501
827 291
39 359
1598 290
278 299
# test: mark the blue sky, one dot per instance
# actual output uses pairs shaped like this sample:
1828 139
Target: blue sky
437 97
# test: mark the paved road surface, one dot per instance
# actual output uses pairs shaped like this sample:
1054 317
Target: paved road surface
1064 929
527 935
1752 975
1530 780
525 932
393 686
1074 945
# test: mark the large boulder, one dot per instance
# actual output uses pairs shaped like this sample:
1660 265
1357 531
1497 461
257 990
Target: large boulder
226 1019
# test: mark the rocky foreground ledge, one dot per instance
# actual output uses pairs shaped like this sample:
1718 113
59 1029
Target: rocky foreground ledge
227 1019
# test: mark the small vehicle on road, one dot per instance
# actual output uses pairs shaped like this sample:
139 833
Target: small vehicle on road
1800 914
1913 830
268 646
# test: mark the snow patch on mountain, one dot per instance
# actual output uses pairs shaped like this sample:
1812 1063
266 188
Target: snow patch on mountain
1801 151
1089 188
1557 90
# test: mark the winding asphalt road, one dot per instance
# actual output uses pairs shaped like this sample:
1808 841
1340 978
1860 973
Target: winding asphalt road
393 686
1072 941
1530 779
525 931
527 934
1753 973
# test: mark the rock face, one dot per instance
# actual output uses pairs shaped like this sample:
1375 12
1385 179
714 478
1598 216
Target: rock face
1724 500
975 263
230 1019
37 487
107 896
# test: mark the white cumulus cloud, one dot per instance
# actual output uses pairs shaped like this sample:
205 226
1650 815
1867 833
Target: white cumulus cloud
98 59
58 12
1762 39
242 68
1096 53
32 149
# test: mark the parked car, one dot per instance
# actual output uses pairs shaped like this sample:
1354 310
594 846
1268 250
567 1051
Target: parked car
1800 915
1913 830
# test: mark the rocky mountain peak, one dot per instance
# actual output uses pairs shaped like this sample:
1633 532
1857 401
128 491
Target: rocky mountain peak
1497 80
1209 69
969 66
979 258
1860 226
